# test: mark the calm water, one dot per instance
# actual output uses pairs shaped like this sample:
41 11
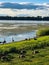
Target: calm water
18 30
18 37
22 21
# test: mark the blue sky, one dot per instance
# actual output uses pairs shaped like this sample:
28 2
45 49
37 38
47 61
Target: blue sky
34 1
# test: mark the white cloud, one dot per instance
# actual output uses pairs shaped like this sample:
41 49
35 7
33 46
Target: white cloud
8 12
25 3
26 12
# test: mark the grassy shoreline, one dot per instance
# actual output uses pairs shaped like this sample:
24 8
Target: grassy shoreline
41 58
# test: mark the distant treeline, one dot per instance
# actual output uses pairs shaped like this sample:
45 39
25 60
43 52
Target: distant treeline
38 18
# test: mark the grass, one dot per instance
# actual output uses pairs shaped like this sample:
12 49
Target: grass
12 51
43 32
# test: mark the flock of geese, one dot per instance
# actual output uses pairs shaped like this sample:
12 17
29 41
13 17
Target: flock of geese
14 40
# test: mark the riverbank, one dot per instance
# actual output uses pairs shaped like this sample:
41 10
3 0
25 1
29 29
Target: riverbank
13 52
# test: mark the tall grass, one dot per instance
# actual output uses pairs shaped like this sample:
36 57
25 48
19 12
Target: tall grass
43 32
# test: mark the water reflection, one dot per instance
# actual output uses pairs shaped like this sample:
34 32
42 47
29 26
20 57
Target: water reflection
18 37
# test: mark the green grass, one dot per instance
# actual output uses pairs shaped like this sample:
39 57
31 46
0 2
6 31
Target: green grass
41 58
43 32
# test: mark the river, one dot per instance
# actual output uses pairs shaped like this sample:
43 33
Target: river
19 30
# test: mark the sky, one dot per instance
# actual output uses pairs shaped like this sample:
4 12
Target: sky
38 8
34 1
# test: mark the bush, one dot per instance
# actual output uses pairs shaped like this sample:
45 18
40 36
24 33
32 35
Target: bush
7 58
14 50
43 32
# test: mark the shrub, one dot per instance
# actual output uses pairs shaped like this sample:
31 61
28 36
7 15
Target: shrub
7 58
5 52
13 50
43 32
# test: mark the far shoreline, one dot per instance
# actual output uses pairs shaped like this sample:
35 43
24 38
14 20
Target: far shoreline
37 18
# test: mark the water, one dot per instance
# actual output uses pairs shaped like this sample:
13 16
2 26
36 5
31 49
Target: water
18 30
22 21
18 37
